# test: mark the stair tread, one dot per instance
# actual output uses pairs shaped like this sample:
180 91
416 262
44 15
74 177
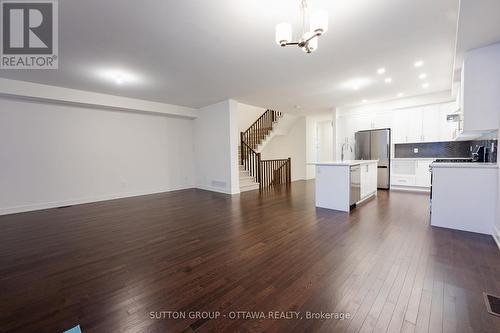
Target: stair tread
249 187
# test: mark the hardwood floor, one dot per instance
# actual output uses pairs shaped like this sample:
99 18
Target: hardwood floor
108 265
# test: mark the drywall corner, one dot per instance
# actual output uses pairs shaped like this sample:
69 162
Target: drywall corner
216 148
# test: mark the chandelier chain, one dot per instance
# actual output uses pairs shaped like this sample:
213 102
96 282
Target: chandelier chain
303 11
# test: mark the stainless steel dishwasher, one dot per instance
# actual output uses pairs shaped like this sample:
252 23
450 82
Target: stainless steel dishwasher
355 188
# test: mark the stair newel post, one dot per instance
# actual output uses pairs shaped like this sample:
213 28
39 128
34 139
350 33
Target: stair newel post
270 120
267 120
258 170
241 148
289 180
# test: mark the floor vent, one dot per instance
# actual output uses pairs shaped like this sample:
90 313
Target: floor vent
492 304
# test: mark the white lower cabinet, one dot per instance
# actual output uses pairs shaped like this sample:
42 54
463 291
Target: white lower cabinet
403 180
423 173
368 179
411 174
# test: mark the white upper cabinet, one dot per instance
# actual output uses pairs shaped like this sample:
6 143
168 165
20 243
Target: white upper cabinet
399 127
480 97
362 123
431 123
407 125
418 124
382 119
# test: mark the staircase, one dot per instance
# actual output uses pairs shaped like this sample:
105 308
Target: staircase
247 182
254 172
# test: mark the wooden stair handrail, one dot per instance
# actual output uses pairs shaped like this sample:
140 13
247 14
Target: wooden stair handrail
265 172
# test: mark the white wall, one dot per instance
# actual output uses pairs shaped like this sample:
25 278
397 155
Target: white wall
325 141
311 137
247 115
216 147
53 155
292 145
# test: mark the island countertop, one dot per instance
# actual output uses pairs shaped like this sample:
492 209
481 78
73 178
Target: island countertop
344 163
469 165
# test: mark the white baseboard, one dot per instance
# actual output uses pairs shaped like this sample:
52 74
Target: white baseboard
410 189
496 236
214 189
79 201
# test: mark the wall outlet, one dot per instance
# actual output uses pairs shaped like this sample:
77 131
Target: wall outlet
415 150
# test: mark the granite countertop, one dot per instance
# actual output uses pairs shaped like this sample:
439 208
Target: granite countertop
344 163
470 165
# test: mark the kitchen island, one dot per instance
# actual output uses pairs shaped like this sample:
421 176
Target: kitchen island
341 184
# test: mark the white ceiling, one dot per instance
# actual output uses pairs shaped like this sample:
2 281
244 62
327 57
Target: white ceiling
195 53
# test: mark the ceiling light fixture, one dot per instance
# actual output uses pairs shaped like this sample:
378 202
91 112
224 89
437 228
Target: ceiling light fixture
388 80
425 85
318 25
381 70
422 76
418 63
117 76
401 95
364 101
356 83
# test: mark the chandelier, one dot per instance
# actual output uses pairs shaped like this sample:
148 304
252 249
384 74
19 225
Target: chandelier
318 25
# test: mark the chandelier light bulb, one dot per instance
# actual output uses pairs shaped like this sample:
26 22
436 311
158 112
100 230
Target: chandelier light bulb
319 22
283 33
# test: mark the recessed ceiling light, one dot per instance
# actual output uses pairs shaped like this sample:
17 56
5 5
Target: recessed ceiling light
401 95
425 85
418 63
388 80
422 76
356 84
381 70
364 101
118 76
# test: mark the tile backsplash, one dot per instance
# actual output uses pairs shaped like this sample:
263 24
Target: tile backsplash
446 149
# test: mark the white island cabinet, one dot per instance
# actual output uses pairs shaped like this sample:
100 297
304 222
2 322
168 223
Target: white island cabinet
464 196
341 184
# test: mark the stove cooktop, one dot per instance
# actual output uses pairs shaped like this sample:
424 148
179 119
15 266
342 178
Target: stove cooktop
454 160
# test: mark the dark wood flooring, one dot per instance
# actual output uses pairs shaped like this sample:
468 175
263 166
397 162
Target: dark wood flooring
108 265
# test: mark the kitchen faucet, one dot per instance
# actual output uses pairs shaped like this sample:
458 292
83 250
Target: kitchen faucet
342 150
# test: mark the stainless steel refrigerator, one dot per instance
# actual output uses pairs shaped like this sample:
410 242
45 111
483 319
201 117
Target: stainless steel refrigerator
376 145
